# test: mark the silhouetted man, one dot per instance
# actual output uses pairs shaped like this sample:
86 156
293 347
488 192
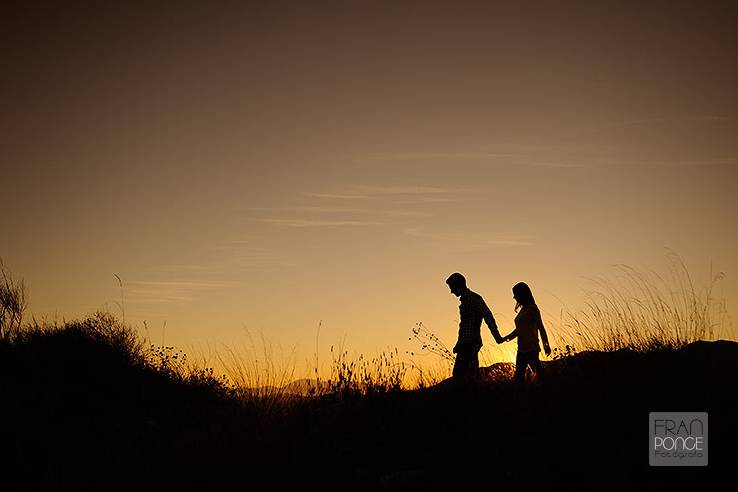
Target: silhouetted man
472 310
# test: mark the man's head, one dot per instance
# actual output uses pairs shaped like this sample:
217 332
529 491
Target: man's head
457 283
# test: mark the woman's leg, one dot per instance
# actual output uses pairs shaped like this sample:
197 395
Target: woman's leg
521 364
535 363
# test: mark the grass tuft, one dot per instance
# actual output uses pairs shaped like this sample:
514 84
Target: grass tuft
645 311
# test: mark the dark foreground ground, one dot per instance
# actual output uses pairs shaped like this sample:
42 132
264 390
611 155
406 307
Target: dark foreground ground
74 415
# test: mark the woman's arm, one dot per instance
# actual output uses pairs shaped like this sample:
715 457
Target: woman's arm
512 335
544 336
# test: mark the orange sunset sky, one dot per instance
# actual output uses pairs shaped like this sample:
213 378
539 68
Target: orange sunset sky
265 166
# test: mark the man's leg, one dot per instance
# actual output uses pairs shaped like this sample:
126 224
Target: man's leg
466 365
472 374
459 364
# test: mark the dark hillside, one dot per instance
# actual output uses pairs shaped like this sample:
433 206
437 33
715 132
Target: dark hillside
82 406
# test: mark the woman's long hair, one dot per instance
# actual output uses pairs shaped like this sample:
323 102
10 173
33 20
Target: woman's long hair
523 295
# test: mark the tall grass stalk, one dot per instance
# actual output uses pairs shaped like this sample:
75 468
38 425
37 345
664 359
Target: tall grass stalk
12 304
257 374
645 311
380 374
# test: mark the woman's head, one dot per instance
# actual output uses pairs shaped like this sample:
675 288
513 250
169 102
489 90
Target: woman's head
522 295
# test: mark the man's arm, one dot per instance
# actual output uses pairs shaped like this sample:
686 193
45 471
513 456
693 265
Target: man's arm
490 320
512 335
465 331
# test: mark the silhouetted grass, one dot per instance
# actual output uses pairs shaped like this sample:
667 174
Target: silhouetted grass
429 344
635 310
379 375
645 311
92 402
258 376
12 304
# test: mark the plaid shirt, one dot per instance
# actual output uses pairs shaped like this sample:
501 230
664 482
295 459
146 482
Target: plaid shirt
472 310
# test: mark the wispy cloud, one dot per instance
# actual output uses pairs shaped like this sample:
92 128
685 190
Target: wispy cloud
407 213
318 223
339 196
673 119
557 165
322 210
220 267
365 192
170 292
570 148
700 162
412 190
469 242
419 200
417 156
375 205
519 158
226 258
655 122
594 138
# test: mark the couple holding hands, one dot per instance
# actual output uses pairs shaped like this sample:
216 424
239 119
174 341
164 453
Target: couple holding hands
473 309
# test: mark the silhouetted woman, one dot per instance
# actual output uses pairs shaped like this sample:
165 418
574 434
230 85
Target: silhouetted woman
528 323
